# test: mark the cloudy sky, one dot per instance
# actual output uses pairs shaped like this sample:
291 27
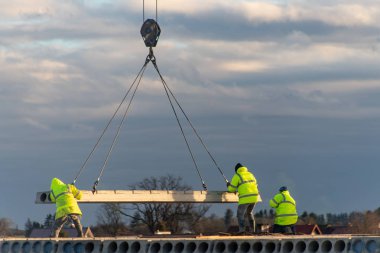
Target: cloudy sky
288 88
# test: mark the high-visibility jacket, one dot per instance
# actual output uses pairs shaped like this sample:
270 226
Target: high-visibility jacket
286 211
244 182
64 196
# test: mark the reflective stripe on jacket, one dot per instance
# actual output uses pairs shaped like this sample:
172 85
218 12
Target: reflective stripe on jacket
286 211
244 182
64 196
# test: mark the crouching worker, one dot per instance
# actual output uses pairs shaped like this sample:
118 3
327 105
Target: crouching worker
65 197
244 182
286 212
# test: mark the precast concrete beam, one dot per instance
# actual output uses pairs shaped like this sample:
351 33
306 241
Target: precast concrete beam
196 244
149 196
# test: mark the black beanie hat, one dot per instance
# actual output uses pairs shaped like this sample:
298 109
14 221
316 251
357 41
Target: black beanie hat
237 166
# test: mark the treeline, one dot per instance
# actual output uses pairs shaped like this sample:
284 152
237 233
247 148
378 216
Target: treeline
112 222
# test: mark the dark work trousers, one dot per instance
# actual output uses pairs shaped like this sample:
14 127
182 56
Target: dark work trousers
58 224
288 229
245 211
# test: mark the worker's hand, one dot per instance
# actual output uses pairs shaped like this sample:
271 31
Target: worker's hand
228 184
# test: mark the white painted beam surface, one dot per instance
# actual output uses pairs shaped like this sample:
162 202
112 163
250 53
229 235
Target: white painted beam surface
146 196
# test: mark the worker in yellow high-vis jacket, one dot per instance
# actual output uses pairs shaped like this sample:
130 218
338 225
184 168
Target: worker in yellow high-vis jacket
65 196
244 182
286 212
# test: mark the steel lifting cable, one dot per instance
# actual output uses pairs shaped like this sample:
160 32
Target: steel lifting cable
108 124
144 11
179 123
191 125
188 120
118 130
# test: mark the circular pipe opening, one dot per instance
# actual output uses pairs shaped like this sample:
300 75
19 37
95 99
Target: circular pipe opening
357 246
89 247
5 247
220 247
135 247
339 246
301 247
270 247
371 246
245 247
203 247
123 247
179 247
67 247
190 248
155 248
326 246
313 246
48 247
79 247
257 247
26 247
112 247
232 247
36 248
288 247
15 247
168 247
43 197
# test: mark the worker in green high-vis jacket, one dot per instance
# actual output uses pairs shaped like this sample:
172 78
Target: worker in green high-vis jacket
65 197
286 212
244 182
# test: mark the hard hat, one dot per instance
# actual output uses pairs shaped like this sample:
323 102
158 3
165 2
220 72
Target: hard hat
237 166
283 188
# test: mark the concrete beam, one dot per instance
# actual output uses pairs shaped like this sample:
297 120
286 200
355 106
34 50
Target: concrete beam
197 244
146 196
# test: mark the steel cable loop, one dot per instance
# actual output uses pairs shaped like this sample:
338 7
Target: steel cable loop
108 124
192 126
180 126
118 130
169 94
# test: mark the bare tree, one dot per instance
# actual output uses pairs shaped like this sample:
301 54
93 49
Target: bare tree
166 216
211 225
110 220
365 223
5 226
